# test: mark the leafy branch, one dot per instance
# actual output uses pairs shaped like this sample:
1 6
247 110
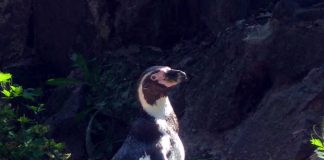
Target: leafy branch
318 141
22 137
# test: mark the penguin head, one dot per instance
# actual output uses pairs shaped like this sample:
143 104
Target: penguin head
156 82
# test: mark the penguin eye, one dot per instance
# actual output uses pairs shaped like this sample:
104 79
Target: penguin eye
153 77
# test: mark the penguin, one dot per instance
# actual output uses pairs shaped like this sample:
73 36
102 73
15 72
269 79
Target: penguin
154 135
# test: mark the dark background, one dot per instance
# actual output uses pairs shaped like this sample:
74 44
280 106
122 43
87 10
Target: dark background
256 68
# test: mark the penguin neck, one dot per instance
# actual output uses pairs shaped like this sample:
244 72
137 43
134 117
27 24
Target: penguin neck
161 109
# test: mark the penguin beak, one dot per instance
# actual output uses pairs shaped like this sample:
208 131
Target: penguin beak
174 75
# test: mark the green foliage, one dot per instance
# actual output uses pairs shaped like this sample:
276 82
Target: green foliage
110 102
318 141
118 96
5 77
90 70
22 137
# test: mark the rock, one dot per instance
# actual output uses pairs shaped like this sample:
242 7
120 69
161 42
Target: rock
14 31
57 24
48 32
218 15
256 92
258 33
159 23
300 10
70 107
64 125
284 10
286 117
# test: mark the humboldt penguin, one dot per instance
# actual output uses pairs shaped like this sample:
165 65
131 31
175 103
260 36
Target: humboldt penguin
154 135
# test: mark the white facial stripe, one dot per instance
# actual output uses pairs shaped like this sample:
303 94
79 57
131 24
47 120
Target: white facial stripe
140 91
165 69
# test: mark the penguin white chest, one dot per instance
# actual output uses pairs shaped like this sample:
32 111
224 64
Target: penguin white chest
178 149
171 145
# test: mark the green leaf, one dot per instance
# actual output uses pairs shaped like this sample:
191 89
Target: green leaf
59 146
81 62
31 93
36 109
7 112
39 129
33 108
17 91
11 134
5 77
23 119
40 108
6 93
62 82
67 156
317 142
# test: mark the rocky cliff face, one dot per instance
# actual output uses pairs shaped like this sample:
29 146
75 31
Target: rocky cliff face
256 67
255 95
